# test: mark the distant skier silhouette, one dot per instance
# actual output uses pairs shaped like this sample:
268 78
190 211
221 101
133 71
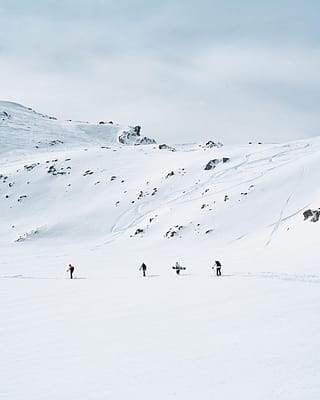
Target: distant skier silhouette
218 266
178 268
143 268
71 270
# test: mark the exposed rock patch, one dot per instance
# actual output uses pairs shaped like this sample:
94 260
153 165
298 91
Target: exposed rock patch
53 171
314 215
88 172
4 115
28 235
211 144
169 174
166 147
55 142
31 166
173 231
213 163
132 136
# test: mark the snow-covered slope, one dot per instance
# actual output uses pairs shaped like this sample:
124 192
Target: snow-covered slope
67 181
71 192
25 132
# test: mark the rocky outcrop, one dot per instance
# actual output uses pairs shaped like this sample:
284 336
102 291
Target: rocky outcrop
28 235
211 144
166 147
53 171
55 142
173 231
4 115
30 166
314 215
213 163
169 174
132 136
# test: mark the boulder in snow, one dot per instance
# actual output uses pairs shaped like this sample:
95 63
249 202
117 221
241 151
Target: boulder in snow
313 214
4 115
211 144
166 147
169 174
173 231
212 164
132 136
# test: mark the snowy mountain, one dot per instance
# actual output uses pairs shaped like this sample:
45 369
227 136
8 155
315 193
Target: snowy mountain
63 181
105 198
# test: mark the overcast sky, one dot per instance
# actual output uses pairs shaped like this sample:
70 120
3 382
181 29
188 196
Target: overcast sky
186 70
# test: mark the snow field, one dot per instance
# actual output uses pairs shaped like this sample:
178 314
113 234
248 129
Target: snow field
160 337
106 208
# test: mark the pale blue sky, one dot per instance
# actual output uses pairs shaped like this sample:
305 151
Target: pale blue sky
185 70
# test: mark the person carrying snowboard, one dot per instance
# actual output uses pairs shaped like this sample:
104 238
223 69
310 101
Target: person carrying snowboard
178 268
143 268
71 269
218 266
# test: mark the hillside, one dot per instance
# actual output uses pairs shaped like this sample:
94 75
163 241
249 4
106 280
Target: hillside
67 181
106 198
24 132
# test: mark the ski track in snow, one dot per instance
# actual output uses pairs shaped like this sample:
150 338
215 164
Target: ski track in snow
136 216
281 219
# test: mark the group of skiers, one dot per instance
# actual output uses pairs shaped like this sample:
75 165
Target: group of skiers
177 267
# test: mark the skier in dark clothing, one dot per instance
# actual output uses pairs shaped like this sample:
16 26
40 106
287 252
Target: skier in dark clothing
178 268
71 269
218 266
143 268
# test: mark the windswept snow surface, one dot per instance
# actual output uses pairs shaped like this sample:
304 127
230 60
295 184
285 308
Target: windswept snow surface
70 193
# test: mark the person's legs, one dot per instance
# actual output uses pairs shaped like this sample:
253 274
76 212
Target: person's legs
71 273
144 272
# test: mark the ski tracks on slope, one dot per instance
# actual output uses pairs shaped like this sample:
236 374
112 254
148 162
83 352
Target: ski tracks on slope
144 209
280 219
138 215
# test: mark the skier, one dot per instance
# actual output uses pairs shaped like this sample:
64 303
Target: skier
178 268
143 268
71 269
218 266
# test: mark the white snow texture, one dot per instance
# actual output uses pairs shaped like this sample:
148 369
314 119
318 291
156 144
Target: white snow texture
105 199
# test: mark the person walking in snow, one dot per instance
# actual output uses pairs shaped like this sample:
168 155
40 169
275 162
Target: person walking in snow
218 266
143 268
70 269
178 268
